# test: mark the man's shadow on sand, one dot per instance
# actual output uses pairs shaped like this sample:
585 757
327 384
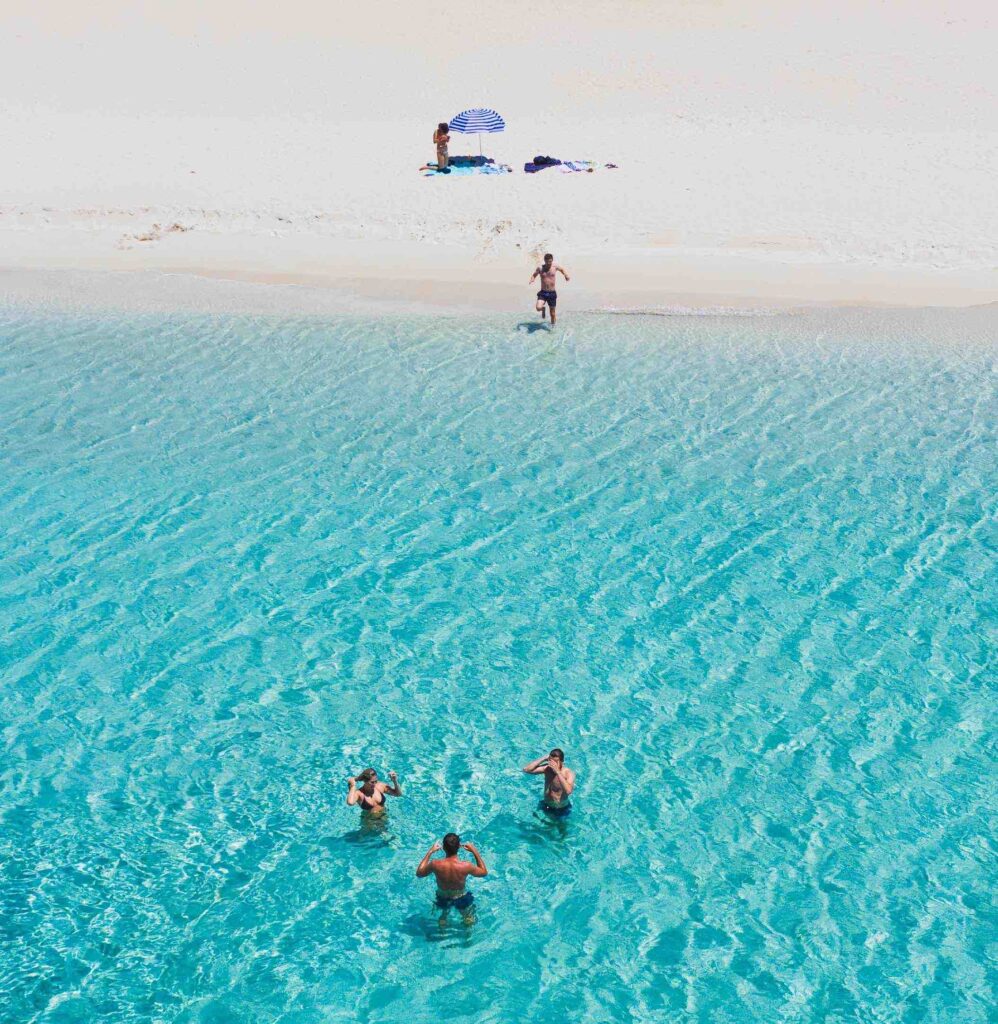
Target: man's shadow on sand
533 326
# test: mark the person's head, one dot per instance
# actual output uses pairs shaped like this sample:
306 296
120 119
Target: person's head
557 755
367 778
548 258
442 128
452 843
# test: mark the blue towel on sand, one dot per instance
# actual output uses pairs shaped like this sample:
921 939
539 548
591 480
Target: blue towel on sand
432 171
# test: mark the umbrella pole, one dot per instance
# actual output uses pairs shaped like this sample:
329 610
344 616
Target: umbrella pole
479 145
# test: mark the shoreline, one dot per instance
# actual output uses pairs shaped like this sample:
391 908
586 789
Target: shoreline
742 157
188 271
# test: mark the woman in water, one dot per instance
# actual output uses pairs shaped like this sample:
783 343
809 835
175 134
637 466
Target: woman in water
440 139
372 793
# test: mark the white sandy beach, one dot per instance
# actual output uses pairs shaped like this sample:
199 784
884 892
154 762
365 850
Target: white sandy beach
769 154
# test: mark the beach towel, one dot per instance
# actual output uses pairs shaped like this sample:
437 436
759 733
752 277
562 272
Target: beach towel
462 170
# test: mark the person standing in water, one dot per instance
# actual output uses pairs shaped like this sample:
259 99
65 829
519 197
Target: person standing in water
547 297
559 782
441 137
452 874
372 794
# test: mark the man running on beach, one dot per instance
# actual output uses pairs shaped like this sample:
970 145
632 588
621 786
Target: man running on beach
451 874
547 296
559 782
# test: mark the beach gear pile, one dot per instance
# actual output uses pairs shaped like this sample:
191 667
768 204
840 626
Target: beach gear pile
541 163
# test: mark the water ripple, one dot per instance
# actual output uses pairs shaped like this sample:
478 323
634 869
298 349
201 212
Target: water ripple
743 570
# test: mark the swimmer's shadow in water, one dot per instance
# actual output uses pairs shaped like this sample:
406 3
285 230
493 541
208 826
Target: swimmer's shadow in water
533 326
371 838
539 828
427 927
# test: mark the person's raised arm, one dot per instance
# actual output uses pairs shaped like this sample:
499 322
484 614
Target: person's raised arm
394 789
561 270
479 870
533 276
353 796
424 865
536 767
565 776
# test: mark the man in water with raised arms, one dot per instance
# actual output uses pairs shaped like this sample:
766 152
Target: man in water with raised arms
547 296
451 874
559 782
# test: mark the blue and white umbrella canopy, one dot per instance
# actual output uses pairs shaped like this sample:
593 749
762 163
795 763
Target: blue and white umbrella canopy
477 121
471 122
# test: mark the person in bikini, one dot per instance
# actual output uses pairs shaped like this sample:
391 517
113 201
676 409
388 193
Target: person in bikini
559 782
452 874
441 137
372 794
547 297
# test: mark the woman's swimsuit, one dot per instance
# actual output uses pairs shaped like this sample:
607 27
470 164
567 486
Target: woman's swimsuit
367 804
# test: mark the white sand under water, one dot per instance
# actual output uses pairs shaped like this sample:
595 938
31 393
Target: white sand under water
768 153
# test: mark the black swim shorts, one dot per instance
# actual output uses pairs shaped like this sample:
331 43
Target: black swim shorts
551 298
462 902
556 812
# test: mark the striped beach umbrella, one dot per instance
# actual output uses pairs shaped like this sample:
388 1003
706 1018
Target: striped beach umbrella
477 121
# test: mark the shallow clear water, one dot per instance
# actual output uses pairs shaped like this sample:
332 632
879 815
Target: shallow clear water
742 570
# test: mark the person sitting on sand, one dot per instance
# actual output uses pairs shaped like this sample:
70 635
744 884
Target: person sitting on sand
440 139
559 782
547 296
452 874
372 793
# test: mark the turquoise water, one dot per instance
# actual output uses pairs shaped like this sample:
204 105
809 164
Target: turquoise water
742 570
